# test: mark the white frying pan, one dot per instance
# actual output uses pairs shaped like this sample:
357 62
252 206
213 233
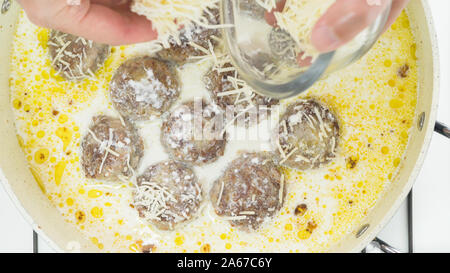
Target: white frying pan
47 222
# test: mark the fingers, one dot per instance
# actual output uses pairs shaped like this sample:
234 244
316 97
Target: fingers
103 21
111 3
304 61
41 12
343 21
106 25
397 7
269 15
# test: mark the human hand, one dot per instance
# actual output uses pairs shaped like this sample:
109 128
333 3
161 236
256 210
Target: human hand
346 18
104 21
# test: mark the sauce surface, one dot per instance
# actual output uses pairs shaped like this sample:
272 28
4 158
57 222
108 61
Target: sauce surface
375 107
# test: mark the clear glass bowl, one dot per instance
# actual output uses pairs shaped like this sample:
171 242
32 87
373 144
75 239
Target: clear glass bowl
249 40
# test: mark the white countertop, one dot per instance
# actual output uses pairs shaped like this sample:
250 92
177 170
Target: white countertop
431 201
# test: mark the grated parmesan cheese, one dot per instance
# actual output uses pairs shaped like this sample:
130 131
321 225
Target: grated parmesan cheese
298 19
169 16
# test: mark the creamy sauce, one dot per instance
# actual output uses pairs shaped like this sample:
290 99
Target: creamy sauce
374 105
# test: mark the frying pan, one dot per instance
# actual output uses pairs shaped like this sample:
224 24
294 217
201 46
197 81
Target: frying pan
49 224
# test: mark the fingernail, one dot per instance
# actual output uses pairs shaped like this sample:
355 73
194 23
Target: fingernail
325 39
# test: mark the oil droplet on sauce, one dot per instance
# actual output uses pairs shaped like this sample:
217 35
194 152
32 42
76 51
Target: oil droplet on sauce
94 193
41 155
59 171
179 240
97 212
65 135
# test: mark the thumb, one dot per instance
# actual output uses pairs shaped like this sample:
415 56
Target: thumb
105 24
98 20
343 21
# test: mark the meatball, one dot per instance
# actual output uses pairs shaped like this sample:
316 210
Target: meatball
194 133
180 49
308 135
111 149
247 105
167 194
283 46
144 87
75 58
249 191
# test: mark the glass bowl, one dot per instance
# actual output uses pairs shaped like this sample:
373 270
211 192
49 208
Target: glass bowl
254 51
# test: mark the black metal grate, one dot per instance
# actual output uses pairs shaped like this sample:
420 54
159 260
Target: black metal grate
35 242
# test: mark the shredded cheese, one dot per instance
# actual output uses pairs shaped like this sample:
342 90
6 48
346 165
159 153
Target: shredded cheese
234 218
247 213
220 194
288 155
169 16
267 4
298 19
154 198
281 192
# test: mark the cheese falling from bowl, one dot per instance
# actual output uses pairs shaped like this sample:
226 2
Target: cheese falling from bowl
169 16
299 17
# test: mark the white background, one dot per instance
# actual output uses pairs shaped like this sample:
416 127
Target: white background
431 205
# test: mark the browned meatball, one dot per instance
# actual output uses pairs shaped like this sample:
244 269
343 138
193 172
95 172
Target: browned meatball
250 190
75 58
180 49
283 46
193 133
245 103
308 135
144 87
110 149
167 194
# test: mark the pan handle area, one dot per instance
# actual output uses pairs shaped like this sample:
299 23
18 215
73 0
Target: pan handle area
380 246
5 6
442 129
